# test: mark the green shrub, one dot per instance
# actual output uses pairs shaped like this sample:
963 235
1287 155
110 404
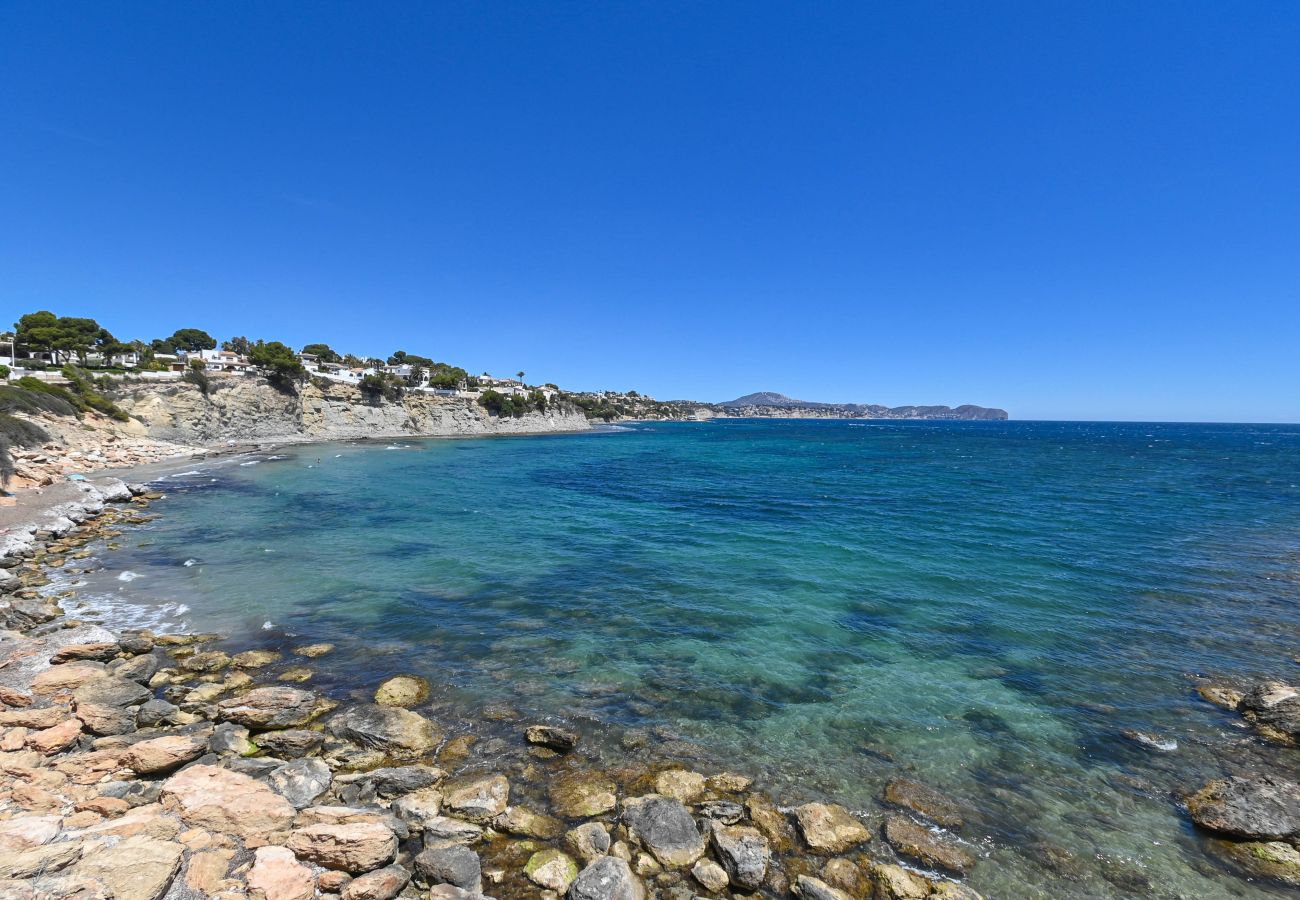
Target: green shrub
4 373
87 397
381 386
197 375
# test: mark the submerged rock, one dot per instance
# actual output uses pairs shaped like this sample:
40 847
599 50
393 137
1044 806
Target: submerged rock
583 795
479 799
918 843
1275 860
1255 807
923 800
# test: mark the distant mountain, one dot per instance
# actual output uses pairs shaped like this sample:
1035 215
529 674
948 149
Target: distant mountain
770 403
766 398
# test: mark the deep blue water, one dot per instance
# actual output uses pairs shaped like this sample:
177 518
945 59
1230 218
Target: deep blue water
983 606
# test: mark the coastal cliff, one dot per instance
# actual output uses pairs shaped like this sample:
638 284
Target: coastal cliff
250 410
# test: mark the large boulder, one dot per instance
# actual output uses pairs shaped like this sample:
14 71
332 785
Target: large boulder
391 730
665 827
356 847
381 884
1255 807
744 853
291 742
271 707
228 802
300 781
521 821
828 828
561 740
479 800
608 878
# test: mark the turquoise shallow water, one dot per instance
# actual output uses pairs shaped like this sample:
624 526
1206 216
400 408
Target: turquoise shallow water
983 606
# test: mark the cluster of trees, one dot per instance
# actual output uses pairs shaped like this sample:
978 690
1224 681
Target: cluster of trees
515 405
76 337
382 386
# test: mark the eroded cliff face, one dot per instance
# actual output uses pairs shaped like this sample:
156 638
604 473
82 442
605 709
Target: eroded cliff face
247 410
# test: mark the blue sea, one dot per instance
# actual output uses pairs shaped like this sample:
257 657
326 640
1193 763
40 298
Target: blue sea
982 606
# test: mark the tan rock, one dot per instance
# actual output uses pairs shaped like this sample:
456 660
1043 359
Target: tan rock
228 802
145 821
680 784
551 869
254 659
314 651
478 800
710 875
402 690
829 828
28 831
277 875
729 783
526 823
42 717
771 821
137 868
382 884
67 677
206 872
583 795
52 740
896 883
40 860
108 807
165 753
354 848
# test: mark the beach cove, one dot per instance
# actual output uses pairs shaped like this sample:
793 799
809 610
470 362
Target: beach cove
826 629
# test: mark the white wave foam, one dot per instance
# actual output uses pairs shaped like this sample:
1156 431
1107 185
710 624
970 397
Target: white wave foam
189 562
268 625
127 576
251 462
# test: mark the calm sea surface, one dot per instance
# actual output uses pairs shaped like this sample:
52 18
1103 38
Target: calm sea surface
985 607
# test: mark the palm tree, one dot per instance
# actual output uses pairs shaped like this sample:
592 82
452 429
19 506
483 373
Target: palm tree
520 373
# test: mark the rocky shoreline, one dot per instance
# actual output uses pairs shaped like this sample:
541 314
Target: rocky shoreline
145 766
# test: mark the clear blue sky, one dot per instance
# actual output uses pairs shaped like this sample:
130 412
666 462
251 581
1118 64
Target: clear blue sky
1071 210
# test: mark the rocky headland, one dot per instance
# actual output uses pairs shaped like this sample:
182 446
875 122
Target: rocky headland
139 766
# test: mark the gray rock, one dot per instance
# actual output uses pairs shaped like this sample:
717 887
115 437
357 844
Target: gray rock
934 851
301 781
1274 707
808 888
229 739
724 811
458 866
444 831
291 743
744 853
1256 807
589 841
135 643
254 767
608 878
395 781
666 829
138 668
